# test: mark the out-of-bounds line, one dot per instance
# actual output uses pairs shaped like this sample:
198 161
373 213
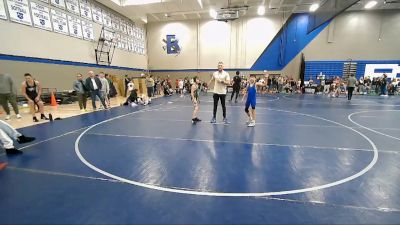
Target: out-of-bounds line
335 103
379 209
49 139
367 128
298 147
62 135
277 124
235 194
60 174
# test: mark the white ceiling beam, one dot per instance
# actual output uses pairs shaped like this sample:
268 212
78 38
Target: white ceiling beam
155 17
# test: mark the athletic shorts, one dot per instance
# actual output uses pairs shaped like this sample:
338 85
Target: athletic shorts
251 102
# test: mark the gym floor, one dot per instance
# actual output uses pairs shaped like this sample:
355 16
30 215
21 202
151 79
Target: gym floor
309 160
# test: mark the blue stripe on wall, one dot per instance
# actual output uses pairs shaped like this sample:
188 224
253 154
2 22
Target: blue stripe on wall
62 62
287 44
335 68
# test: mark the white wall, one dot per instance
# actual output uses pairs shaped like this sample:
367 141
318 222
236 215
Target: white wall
22 40
356 35
206 42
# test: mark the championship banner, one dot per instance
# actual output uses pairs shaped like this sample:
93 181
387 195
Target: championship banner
108 36
117 39
60 24
115 22
3 14
73 6
123 27
107 19
58 3
87 28
97 15
86 11
19 11
75 28
129 29
135 46
124 43
130 44
41 16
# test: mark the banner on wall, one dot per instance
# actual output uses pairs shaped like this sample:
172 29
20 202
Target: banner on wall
97 15
86 11
3 14
129 30
19 11
87 28
108 36
58 3
123 27
130 44
60 24
107 19
41 16
377 70
45 1
117 39
124 43
75 28
115 22
72 6
135 34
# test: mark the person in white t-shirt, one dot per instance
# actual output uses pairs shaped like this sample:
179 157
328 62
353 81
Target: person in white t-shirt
221 81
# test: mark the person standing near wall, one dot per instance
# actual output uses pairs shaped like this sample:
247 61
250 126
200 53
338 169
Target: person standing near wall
126 81
221 81
105 89
32 90
236 86
351 84
150 86
383 83
81 92
93 84
8 94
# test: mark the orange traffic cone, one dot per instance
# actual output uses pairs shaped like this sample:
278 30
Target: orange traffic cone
53 101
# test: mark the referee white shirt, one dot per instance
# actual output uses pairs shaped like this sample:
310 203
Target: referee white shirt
220 88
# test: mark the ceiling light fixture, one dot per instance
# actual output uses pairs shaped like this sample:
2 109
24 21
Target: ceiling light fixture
370 4
200 3
314 7
261 10
213 13
141 2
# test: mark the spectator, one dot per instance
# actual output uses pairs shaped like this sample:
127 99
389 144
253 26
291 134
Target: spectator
94 85
8 94
8 134
105 89
81 92
32 90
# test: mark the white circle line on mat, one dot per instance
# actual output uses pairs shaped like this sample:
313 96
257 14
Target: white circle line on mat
232 194
370 129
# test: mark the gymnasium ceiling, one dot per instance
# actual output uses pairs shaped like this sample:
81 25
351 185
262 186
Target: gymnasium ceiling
166 10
